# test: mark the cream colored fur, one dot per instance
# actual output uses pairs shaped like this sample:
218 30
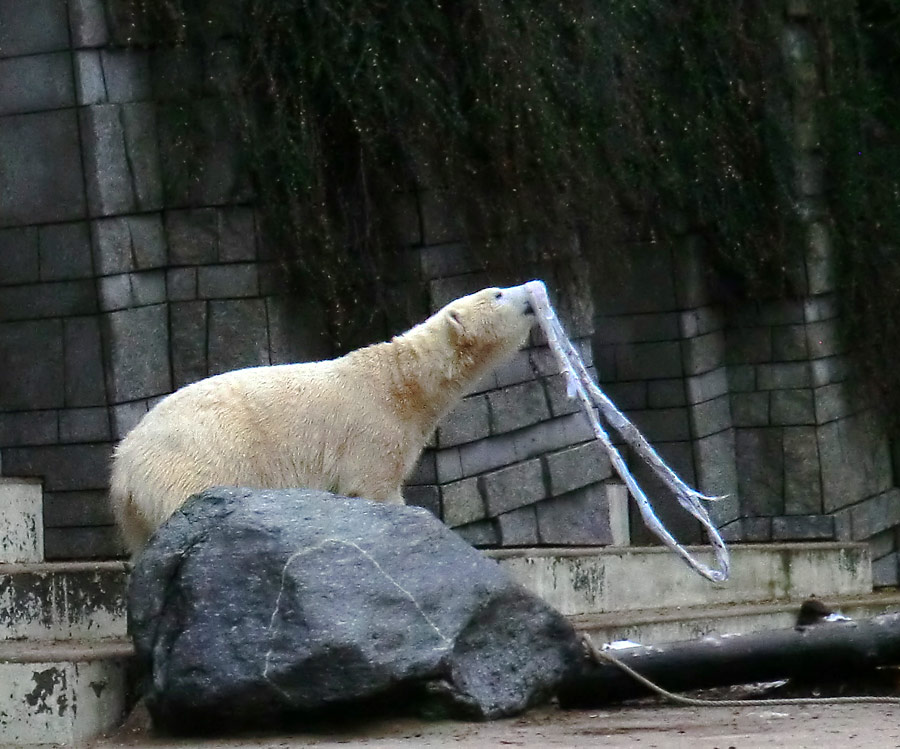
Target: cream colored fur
354 425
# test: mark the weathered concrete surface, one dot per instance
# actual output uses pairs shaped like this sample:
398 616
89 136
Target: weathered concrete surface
626 728
21 521
579 581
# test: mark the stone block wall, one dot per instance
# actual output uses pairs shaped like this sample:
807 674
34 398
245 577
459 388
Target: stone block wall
127 271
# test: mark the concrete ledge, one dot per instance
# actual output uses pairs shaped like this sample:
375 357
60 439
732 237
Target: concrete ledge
21 517
60 601
654 626
64 701
601 580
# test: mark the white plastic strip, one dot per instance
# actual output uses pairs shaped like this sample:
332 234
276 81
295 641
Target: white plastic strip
580 385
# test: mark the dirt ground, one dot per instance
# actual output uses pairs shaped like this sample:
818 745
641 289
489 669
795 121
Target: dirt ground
644 726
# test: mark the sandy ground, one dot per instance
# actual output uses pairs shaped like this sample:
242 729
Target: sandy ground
644 726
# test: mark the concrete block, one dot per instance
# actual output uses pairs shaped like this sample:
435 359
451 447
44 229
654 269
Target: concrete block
832 369
832 402
757 530
821 264
551 435
714 459
296 330
137 353
181 284
576 467
90 88
428 497
855 460
115 292
442 291
84 425
802 483
700 321
193 236
65 252
32 377
561 404
780 312
467 422
41 698
823 307
83 362
703 353
789 343
125 416
238 334
886 571
517 369
126 73
512 487
517 406
462 502
19 256
237 234
824 339
43 300
142 149
749 345
87 19
36 83
639 394
63 467
760 471
28 428
617 506
29 27
234 280
710 417
741 378
444 260
636 328
188 321
802 528
480 534
580 518
110 185
783 376
148 287
648 361
126 243
707 386
487 454
448 465
21 520
42 175
790 407
874 515
86 543
750 409
519 527
810 174
662 424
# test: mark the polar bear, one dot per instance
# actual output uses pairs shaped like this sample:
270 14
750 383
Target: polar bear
354 425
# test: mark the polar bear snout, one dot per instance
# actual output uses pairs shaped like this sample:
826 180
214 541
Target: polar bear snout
516 296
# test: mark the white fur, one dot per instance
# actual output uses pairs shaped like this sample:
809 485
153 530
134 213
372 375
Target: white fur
354 425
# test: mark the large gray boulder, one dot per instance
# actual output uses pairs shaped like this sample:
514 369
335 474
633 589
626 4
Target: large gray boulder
253 608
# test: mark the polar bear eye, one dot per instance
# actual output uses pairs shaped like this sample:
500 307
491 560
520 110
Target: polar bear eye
498 295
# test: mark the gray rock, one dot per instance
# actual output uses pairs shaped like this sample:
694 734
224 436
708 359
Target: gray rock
338 605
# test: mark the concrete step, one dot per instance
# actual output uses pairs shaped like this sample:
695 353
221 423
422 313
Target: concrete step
22 521
62 600
61 692
655 626
611 579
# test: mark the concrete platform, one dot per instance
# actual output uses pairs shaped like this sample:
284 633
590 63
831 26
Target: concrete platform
59 600
653 626
611 579
60 692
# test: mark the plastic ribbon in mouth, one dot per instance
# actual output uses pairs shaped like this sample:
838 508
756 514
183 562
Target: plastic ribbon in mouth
580 385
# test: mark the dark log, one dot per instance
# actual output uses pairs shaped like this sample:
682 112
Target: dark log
815 653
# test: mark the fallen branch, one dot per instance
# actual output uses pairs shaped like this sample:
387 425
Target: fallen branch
839 648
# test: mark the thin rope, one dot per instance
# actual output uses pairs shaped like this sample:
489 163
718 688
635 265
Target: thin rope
601 656
580 385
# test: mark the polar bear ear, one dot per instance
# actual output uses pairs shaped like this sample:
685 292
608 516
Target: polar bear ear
456 324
